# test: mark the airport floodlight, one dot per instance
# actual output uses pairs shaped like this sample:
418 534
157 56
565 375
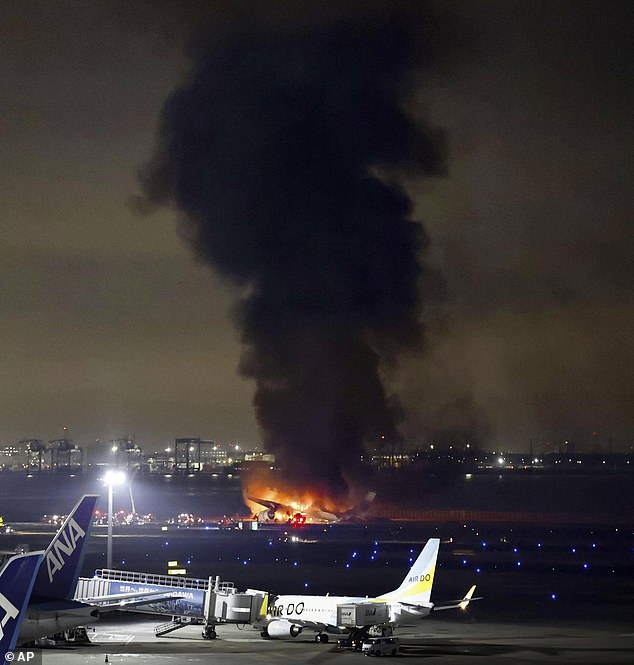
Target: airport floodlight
114 477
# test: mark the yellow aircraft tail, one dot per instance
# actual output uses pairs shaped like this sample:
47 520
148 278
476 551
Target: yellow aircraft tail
417 584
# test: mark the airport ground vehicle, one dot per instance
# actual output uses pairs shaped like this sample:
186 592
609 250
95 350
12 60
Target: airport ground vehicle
381 646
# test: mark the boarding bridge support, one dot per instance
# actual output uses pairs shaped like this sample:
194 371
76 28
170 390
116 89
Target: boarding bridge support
226 605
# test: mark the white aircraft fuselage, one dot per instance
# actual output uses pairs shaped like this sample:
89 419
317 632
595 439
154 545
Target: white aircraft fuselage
323 609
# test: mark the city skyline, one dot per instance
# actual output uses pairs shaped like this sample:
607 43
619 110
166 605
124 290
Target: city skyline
111 327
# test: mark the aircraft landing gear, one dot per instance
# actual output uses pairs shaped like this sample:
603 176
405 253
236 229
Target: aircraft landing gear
321 638
356 638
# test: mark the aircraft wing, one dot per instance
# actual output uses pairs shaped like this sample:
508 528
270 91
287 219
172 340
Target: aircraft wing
462 604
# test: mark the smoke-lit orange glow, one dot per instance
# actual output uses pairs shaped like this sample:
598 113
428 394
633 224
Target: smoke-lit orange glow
312 502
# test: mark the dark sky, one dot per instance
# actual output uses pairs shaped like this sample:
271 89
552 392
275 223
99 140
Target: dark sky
111 327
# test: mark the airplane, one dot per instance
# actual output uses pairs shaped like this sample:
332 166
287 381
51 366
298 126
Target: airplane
51 608
314 513
17 578
289 615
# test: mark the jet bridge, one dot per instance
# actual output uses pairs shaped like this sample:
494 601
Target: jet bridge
187 600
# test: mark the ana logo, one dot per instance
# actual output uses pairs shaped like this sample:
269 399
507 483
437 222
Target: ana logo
63 546
10 612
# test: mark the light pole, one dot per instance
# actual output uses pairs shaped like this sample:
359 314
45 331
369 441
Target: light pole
111 479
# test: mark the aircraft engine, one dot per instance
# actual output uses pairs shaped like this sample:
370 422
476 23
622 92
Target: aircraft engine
282 629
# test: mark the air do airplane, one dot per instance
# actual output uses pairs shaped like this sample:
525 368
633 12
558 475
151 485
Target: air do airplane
288 616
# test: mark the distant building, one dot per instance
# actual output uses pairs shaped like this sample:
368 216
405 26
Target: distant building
12 457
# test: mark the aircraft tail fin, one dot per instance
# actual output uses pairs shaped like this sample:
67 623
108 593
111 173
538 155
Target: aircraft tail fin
17 578
417 584
57 577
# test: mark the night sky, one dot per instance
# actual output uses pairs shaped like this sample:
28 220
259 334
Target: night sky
115 322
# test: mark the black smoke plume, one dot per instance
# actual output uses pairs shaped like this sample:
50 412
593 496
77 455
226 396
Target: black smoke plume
281 151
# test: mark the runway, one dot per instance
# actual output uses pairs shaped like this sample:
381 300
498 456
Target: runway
130 639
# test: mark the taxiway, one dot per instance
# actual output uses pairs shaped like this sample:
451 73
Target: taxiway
130 639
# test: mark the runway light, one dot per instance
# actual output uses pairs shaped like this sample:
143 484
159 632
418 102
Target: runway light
574 550
585 566
477 570
553 596
519 563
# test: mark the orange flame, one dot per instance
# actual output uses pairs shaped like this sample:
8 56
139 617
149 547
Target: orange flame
271 486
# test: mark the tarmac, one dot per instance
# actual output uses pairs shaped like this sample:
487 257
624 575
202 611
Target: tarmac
129 639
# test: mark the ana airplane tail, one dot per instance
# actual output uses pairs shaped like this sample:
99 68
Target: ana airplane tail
16 583
57 577
416 587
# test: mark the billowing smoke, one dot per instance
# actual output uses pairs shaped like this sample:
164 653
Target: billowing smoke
281 151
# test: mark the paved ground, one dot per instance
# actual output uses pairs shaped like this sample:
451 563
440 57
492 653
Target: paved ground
131 640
